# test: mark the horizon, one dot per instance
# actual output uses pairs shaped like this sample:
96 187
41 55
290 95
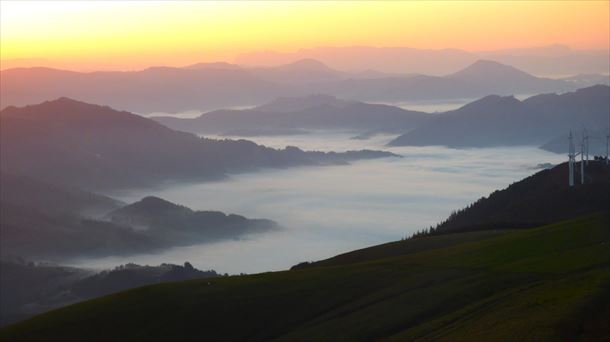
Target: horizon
177 34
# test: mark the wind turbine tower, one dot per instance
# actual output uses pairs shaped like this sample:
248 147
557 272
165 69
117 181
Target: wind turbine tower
585 142
607 146
571 159
582 159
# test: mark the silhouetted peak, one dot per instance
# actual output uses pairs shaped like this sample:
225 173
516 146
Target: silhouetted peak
62 104
492 102
291 104
151 205
488 69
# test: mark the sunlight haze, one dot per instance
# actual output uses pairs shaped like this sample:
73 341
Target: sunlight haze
132 35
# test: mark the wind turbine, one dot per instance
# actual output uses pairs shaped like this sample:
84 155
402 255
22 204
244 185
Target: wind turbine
582 159
571 159
585 145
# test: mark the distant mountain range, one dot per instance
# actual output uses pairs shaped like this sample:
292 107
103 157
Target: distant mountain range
207 86
544 60
94 147
505 121
294 115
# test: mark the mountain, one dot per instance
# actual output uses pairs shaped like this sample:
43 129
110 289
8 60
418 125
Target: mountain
157 89
502 79
297 104
553 60
154 216
301 71
504 121
217 85
290 115
147 226
384 59
97 148
477 80
542 60
546 283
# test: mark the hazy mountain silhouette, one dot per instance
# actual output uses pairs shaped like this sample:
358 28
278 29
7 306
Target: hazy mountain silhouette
385 59
219 85
478 79
301 71
174 223
500 79
544 60
501 121
158 89
289 115
95 147
147 226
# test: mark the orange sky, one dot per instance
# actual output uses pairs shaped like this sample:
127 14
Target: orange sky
131 35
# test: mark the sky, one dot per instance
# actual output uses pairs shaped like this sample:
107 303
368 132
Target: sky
130 35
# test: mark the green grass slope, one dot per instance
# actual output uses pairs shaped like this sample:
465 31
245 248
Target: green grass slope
547 283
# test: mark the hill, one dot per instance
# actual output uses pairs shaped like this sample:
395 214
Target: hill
27 288
299 114
301 71
97 148
547 283
479 79
505 78
146 226
210 86
177 224
504 121
542 198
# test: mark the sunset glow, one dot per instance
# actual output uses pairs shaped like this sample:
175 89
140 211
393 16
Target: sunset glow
128 35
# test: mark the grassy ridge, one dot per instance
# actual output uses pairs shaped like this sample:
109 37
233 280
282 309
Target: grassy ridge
545 283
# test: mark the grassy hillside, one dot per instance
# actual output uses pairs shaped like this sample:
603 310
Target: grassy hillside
545 283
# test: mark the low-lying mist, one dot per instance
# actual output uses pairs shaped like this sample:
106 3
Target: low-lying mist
329 210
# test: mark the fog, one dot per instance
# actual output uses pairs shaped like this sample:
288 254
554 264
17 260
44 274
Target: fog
333 209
